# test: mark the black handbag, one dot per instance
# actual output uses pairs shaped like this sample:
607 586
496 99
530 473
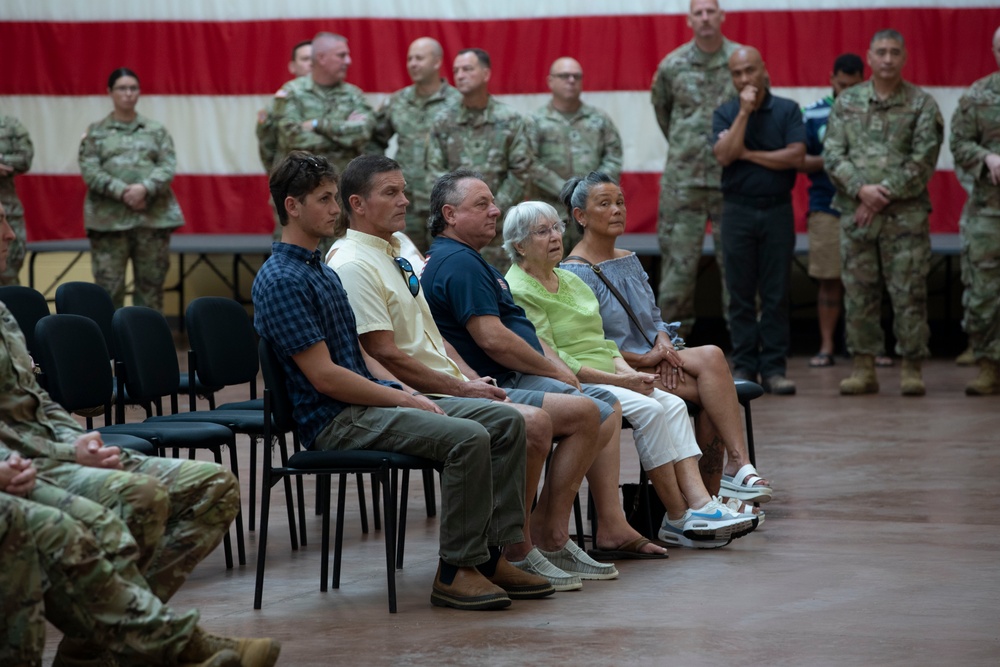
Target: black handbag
643 508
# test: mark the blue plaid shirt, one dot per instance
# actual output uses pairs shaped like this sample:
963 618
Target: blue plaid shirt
299 301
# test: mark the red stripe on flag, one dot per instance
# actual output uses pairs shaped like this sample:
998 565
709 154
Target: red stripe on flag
617 52
212 204
239 204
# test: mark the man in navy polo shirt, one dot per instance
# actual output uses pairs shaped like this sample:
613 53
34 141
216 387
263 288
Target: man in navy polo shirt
302 311
760 143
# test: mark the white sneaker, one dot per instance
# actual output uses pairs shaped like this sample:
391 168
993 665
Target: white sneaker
712 522
536 563
672 532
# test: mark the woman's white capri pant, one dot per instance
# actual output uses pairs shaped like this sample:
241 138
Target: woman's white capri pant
661 426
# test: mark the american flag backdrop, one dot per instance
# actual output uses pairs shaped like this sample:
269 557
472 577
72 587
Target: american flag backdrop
207 66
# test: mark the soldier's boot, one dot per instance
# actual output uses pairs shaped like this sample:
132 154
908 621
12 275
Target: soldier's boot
911 381
251 652
967 358
988 380
862 379
73 652
224 658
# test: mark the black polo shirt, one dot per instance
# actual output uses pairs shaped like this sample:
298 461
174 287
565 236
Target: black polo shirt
776 124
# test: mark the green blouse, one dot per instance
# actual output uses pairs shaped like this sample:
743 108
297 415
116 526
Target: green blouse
569 321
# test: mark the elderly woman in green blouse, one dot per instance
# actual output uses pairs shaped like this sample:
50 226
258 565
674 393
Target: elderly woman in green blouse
566 316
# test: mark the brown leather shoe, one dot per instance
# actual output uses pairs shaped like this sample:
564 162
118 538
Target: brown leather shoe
470 590
520 585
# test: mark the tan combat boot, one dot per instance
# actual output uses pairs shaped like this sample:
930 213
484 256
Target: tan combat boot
862 380
988 380
911 381
203 647
967 358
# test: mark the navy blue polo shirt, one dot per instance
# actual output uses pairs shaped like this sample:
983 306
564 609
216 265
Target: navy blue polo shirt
775 125
459 284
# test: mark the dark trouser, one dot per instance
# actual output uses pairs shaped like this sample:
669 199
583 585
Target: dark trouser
757 245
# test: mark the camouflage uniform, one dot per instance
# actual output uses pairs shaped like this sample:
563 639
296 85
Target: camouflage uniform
566 146
15 151
409 117
22 624
177 511
975 133
114 154
53 564
494 142
688 87
337 139
893 142
267 149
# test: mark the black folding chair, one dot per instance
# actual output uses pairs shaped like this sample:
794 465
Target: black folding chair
72 350
383 465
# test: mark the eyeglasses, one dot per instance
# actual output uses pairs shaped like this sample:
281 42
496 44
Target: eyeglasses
126 89
557 227
567 76
411 277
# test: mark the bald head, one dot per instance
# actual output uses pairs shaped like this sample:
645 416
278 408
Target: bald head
745 54
423 61
566 83
428 44
747 68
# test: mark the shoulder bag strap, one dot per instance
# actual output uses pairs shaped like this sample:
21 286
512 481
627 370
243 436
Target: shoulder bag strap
618 295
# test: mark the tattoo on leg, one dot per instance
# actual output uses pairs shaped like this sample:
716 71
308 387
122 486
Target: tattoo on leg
712 456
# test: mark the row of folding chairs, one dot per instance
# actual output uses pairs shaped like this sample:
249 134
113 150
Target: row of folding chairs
73 350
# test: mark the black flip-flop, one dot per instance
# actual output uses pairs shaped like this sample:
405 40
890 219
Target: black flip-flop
821 360
627 551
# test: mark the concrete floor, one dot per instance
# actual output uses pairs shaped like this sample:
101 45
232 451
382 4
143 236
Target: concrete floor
879 548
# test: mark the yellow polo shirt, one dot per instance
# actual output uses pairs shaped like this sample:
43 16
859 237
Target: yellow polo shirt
381 300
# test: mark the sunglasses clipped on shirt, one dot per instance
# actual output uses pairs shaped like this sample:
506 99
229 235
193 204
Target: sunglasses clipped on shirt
411 277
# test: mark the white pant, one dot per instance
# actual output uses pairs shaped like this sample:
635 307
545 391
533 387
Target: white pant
661 426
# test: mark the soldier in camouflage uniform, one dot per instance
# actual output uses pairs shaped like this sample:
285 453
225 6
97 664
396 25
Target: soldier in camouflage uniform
690 83
267 125
975 143
16 153
175 511
569 137
482 134
22 624
128 162
408 114
267 121
322 113
881 148
54 565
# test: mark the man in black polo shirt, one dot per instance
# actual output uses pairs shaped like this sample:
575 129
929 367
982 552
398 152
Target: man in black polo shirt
760 141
